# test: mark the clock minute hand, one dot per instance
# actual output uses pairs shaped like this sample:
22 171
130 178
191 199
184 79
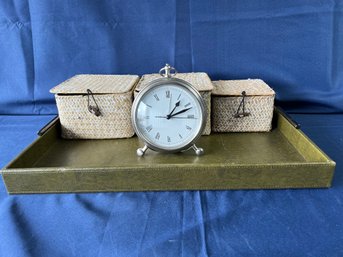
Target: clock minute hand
164 117
182 111
170 114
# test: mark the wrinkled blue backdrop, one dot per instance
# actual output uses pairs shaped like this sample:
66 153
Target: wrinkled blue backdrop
295 46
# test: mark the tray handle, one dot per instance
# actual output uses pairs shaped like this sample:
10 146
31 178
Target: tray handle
46 127
288 118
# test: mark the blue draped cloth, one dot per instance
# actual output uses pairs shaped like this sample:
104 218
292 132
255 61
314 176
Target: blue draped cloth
295 46
302 222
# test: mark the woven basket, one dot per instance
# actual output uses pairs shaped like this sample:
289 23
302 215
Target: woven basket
228 114
199 80
111 95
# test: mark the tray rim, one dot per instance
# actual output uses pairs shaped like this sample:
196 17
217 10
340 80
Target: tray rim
47 170
327 163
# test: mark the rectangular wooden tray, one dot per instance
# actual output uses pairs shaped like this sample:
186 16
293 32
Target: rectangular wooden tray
282 158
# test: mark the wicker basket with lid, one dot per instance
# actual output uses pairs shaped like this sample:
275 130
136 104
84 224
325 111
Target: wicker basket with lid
95 106
242 106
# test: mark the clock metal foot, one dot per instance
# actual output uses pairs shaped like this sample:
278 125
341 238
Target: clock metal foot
141 151
198 151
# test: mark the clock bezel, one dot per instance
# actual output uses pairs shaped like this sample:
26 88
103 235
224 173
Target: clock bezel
160 82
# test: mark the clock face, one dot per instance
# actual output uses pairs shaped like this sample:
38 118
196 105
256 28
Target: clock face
168 116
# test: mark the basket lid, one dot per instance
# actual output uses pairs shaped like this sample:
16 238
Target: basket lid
200 80
252 87
98 84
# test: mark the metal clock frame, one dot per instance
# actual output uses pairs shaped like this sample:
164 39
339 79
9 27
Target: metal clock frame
150 145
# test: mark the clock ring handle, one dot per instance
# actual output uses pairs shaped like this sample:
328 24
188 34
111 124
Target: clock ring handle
168 71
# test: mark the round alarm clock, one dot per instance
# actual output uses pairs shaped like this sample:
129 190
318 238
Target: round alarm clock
169 115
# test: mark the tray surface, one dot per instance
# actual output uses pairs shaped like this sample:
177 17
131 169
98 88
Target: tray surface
282 158
247 148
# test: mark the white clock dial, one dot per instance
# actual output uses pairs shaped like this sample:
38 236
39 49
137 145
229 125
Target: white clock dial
168 116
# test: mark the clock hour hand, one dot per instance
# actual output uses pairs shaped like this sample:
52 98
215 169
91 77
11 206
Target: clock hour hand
170 114
179 112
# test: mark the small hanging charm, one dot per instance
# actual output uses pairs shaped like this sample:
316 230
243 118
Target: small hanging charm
242 114
93 109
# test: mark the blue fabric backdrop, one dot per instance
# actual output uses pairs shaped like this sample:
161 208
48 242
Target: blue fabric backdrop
275 223
295 46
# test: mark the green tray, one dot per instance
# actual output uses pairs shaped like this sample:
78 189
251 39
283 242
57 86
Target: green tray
282 158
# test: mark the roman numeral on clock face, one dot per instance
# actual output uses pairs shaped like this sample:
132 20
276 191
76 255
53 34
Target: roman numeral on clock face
188 127
148 105
157 136
148 128
187 105
156 97
167 94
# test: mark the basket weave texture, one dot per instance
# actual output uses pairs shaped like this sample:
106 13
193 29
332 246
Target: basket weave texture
199 80
112 94
227 98
99 84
